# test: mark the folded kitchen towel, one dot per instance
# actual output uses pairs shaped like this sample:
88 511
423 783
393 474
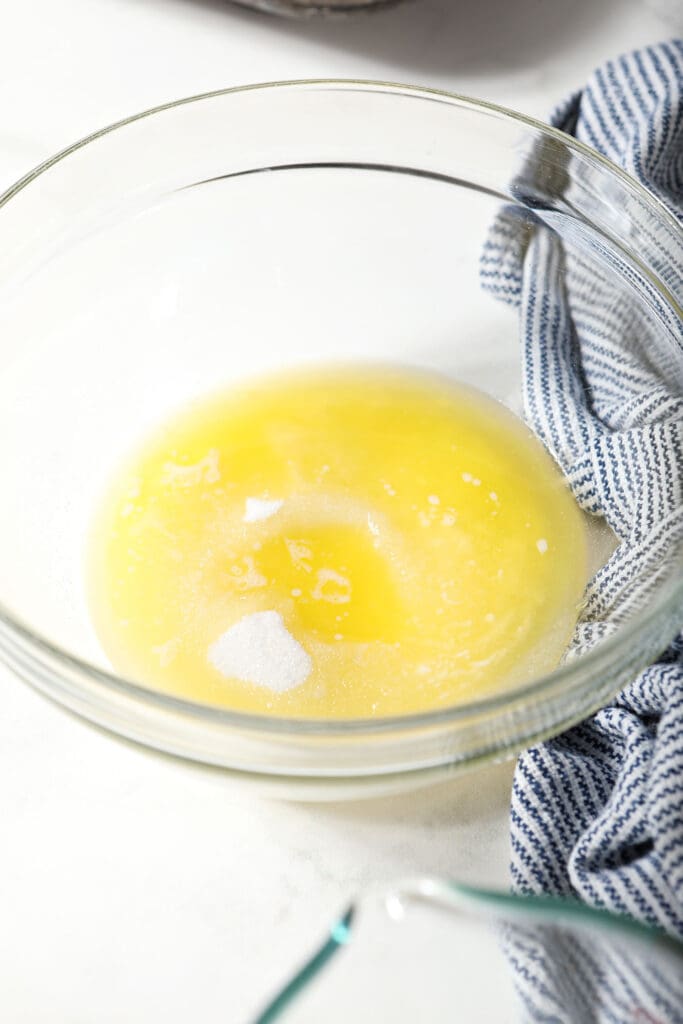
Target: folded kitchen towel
597 813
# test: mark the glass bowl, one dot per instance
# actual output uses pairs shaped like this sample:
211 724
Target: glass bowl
235 232
433 949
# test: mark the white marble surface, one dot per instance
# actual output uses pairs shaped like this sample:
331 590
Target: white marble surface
133 888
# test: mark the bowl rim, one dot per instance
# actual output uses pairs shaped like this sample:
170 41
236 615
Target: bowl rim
559 678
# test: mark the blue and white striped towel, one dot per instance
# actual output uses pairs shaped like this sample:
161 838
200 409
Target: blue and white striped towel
598 812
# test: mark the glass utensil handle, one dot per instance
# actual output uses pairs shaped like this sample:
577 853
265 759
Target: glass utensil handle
429 948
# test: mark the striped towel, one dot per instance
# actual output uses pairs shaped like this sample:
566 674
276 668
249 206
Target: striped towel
597 813
584 977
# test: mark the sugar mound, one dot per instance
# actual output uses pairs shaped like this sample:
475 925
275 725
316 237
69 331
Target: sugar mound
256 509
259 649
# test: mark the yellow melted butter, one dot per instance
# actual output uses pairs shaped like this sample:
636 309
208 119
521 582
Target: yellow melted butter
414 536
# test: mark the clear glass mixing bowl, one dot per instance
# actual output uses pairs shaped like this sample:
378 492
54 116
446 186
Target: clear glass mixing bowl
230 233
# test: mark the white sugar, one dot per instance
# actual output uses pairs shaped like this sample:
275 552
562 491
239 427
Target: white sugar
332 587
207 470
542 545
256 509
259 649
373 526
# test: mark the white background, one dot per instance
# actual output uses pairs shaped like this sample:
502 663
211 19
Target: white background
133 888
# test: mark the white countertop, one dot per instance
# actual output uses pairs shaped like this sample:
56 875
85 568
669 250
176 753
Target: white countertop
134 888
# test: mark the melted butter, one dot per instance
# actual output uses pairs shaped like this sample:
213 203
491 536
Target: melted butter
418 546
